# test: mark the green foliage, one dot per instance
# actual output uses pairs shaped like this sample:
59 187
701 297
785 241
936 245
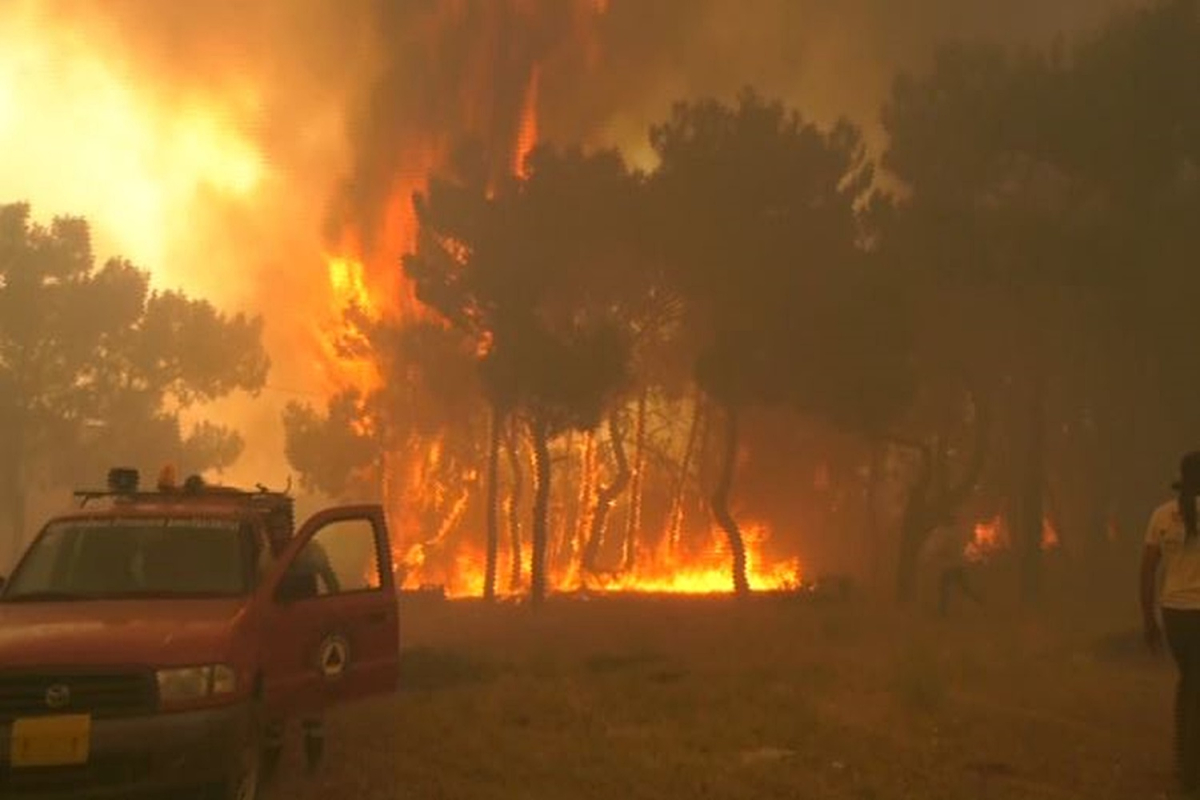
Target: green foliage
760 223
96 367
533 270
1047 226
428 386
330 450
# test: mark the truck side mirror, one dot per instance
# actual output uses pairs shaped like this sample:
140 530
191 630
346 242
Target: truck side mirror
296 586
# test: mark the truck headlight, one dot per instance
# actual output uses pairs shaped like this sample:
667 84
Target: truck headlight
189 684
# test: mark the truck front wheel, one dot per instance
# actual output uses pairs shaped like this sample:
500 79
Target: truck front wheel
244 779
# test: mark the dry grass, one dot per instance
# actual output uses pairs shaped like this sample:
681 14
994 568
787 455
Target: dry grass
772 698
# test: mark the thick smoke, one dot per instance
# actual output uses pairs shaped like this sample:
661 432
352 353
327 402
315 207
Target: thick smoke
450 72
349 104
407 79
827 59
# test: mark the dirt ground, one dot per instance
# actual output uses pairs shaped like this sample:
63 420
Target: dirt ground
767 698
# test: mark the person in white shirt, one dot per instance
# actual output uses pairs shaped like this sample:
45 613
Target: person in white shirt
1172 554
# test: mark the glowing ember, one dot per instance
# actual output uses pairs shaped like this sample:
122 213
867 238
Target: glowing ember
990 538
1050 540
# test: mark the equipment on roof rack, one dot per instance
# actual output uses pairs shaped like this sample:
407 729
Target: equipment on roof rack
166 478
123 480
123 487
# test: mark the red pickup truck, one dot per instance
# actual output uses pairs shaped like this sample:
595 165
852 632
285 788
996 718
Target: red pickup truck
149 640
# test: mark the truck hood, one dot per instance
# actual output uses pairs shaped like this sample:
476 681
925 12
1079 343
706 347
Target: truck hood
153 633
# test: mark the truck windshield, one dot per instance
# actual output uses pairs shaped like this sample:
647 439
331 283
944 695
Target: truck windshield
122 558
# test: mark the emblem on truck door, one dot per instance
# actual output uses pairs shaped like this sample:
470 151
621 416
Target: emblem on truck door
58 696
333 656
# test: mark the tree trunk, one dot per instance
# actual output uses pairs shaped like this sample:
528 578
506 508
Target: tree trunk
720 502
870 544
541 509
565 504
931 502
680 488
607 494
1032 505
514 506
13 492
635 494
579 529
914 528
906 565
493 490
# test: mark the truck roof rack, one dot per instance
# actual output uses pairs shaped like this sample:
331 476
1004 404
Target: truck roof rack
123 485
204 495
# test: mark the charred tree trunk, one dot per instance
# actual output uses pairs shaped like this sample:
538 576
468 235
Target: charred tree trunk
579 530
870 547
566 503
635 494
931 502
1032 503
541 510
514 507
914 528
720 502
493 490
685 466
608 494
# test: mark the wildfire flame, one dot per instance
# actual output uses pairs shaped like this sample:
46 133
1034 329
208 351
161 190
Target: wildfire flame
991 537
428 504
527 134
706 571
160 174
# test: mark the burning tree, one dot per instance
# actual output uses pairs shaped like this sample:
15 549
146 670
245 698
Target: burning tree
758 218
510 266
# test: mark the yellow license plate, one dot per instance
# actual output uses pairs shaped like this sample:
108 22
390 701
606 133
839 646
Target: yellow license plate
51 741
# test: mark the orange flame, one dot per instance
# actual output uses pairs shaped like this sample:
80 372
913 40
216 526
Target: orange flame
1050 539
706 571
427 496
990 538
527 133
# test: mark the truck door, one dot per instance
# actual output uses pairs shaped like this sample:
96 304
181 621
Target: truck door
331 631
